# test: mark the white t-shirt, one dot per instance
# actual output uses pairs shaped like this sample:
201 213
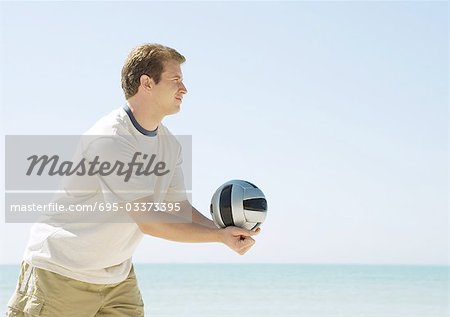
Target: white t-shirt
100 251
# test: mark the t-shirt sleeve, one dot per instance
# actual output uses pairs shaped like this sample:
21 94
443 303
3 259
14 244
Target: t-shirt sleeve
176 191
117 183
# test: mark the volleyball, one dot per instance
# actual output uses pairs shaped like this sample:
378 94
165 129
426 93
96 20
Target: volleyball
238 203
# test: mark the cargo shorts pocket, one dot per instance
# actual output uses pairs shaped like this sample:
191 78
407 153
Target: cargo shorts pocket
26 303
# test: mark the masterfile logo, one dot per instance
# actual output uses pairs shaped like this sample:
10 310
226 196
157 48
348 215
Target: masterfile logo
90 178
96 166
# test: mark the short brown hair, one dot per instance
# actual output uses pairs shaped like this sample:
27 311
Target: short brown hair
146 59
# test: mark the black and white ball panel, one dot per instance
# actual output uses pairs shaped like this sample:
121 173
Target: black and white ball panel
238 203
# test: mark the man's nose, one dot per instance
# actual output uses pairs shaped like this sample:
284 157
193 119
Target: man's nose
183 88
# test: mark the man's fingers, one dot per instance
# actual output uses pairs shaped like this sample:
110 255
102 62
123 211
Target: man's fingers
247 233
244 243
238 239
243 251
247 245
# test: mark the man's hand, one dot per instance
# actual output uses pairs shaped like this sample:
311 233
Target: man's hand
237 239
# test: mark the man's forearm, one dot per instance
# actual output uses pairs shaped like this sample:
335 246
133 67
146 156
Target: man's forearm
181 232
175 227
199 218
189 212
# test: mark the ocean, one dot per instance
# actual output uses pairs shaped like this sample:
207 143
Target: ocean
282 290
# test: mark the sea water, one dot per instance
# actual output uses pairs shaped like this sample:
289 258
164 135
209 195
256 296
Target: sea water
280 290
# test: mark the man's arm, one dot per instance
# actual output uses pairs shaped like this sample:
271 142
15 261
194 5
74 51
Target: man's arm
172 227
196 216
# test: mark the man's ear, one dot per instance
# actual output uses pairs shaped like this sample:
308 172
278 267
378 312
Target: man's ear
146 82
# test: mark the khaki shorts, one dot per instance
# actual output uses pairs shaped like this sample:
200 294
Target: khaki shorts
43 293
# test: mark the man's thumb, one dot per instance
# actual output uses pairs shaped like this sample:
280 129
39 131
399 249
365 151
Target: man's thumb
248 233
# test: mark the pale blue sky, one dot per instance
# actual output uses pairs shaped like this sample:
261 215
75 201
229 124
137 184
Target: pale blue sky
337 110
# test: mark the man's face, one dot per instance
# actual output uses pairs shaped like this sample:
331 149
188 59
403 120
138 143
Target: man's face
170 90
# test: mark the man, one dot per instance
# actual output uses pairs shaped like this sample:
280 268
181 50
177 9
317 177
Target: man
81 267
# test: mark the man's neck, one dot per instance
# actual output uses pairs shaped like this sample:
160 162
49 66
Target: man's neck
145 114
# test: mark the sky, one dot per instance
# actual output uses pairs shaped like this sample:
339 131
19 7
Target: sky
338 111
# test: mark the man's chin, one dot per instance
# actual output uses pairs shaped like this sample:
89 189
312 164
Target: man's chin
175 110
